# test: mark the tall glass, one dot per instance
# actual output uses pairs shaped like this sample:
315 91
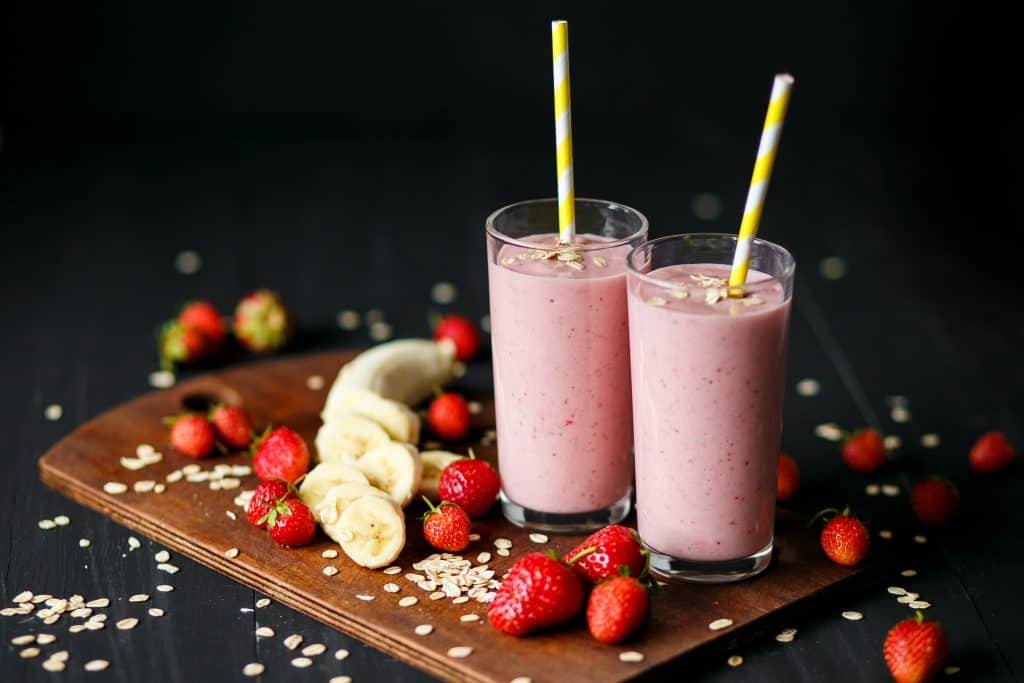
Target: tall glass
708 371
560 349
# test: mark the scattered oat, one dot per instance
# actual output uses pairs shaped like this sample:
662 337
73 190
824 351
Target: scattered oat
76 628
502 543
133 543
475 407
504 552
174 476
231 515
786 635
143 486
483 558
719 624
920 539
437 595
47 524
162 556
852 615
53 412
127 624
302 662
29 652
392 587
253 669
899 414
161 379
54 665
265 632
341 654
45 638
364 597
896 590
23 640
829 431
408 601
908 573
891 442
165 588
330 553
521 679
443 293
23 597
262 602
188 262
340 679
315 382
98 602
476 537
539 538
461 600
679 292
96 665
832 268
712 295
599 261
380 331
907 599
460 651
919 604
314 649
169 568
808 387
293 641
885 533
138 597
734 661
631 656
872 489
655 301
62 520
423 630
930 440
469 617
231 553
329 570
950 670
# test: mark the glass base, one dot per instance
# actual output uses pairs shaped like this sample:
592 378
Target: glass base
719 571
566 522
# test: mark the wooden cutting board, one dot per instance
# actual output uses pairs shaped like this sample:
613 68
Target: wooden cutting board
192 519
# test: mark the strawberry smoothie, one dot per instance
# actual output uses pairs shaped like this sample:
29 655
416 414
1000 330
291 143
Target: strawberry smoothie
708 377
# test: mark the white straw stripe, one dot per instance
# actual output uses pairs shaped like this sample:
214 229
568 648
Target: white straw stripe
756 195
770 139
562 126
561 65
565 182
742 249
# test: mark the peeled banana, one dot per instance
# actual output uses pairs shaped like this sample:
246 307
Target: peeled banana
401 423
322 477
346 436
433 463
394 468
403 370
329 508
371 531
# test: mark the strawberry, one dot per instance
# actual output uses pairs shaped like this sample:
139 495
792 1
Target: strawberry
180 344
191 434
280 454
612 547
448 416
864 451
263 498
991 453
461 333
915 650
789 478
470 483
538 591
203 316
232 425
616 608
934 501
290 522
261 322
446 526
844 538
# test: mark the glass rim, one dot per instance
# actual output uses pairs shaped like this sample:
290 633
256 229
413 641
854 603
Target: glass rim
781 278
618 242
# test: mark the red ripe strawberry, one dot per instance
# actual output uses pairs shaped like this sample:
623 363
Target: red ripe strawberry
991 453
290 522
280 454
191 434
789 478
180 344
203 316
470 483
261 322
265 496
446 526
461 333
864 451
448 416
232 425
934 501
844 538
612 547
915 650
538 591
616 608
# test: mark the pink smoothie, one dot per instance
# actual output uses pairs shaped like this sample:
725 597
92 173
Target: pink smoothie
561 377
707 398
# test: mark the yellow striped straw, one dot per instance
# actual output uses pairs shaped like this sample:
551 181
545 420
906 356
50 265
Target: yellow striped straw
563 133
770 135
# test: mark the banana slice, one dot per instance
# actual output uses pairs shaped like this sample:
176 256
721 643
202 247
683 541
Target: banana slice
322 477
403 370
394 468
328 510
433 463
346 436
371 531
401 423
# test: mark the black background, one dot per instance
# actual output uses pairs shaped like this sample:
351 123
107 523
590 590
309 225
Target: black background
347 155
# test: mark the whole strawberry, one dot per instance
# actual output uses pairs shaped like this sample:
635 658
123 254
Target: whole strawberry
448 416
265 496
280 454
203 316
261 322
446 526
539 591
461 333
934 501
612 547
191 434
844 538
472 484
789 478
232 425
990 453
290 522
915 650
616 608
179 344
864 450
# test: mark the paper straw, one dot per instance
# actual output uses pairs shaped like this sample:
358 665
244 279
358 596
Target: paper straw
770 135
563 133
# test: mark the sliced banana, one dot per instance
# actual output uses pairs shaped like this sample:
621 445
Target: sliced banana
401 423
403 370
323 477
371 531
394 468
336 499
433 463
346 436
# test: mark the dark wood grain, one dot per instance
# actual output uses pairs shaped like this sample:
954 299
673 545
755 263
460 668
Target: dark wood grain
191 519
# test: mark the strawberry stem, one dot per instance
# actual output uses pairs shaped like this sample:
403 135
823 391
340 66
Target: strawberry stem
821 515
580 555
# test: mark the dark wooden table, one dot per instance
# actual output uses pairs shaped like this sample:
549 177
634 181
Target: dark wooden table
371 219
